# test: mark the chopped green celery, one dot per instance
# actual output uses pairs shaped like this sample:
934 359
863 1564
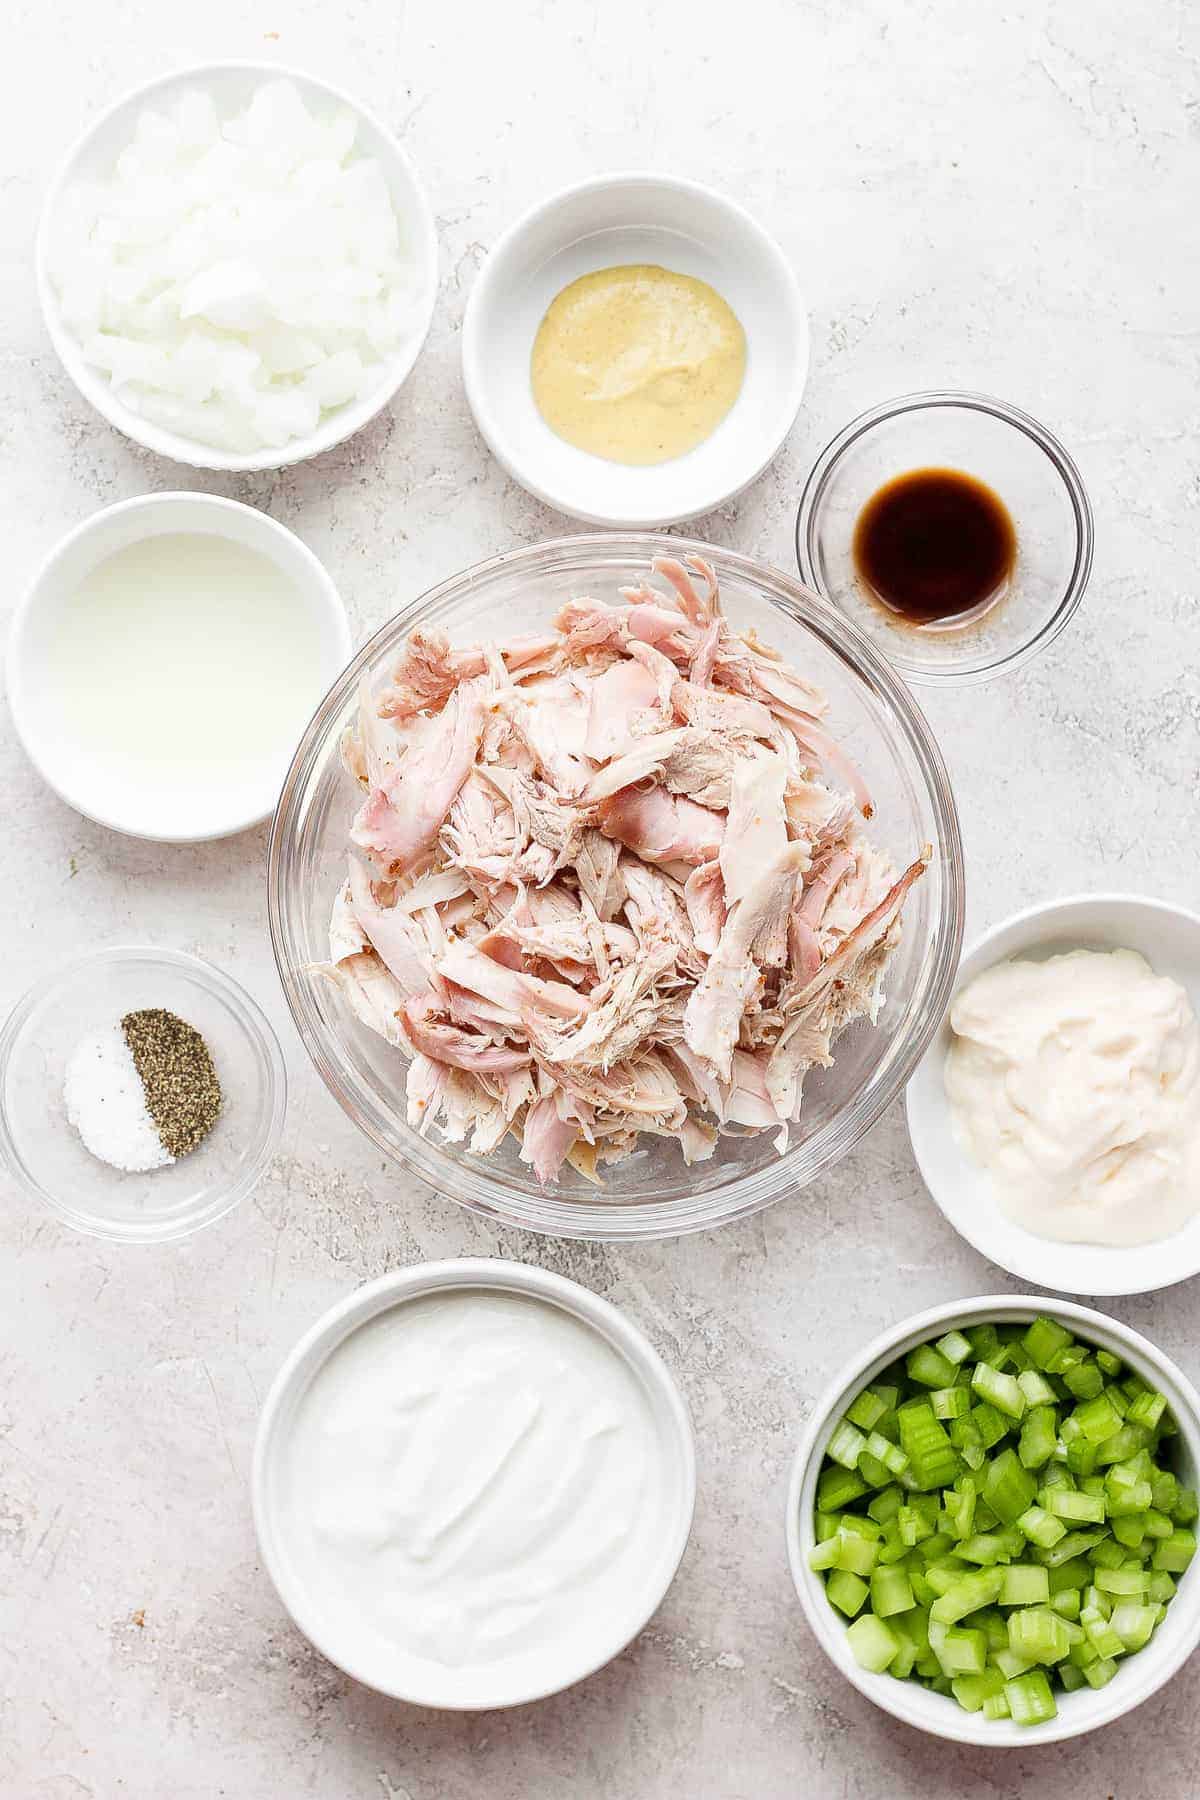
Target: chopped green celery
1018 1357
935 1548
999 1390
1081 1455
1071 1677
1010 1664
875 1474
1030 1701
1108 1554
1161 1589
985 1517
995 1706
928 1668
989 1423
1123 1507
1186 1509
1100 1633
892 1548
1007 1487
846 1591
984 1341
1073 1545
860 1525
873 1643
1038 1633
1057 1474
1133 1623
950 1403
1095 1601
866 1411
1067 1603
886 1505
924 1593
1097 1419
857 1555
974 1455
1100 1673
1039 1433
1066 1358
1043 1341
891 1592
1121 1444
1025 1584
1036 1389
1147 1410
837 1487
1111 1364
1123 1581
941 1685
963 1653
1124 1493
929 1368
1041 1527
823 1555
944 1575
913 1526
992 1623
1075 1573
1120 1400
954 1347
972 1690
1174 1553
1069 1503
825 1525
846 1444
901 1665
1082 1655
1085 1380
968 1593
933 1461
1166 1491
959 1506
890 1455
1157 1523
990 1547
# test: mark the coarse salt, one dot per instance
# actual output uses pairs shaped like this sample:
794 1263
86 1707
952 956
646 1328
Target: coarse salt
237 280
106 1103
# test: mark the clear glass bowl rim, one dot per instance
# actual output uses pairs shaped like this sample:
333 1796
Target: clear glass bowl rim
823 470
464 1178
273 1103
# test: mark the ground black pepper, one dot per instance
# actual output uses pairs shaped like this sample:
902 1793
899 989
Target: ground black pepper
183 1095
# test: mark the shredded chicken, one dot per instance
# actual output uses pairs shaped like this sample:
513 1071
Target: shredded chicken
609 880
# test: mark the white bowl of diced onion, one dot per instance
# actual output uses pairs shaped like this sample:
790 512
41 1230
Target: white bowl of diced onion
231 402
1141 1674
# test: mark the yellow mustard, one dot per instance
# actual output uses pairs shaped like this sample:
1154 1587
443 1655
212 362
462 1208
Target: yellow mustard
637 364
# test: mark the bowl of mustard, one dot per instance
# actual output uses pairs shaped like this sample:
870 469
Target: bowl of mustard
635 350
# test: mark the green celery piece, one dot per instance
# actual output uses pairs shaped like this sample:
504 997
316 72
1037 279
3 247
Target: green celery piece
1126 1582
972 1690
1043 1341
825 1525
1075 1507
946 1574
892 1548
1073 1545
1038 1633
875 1474
1076 1572
991 1425
1036 1389
1112 1365
1166 1491
1157 1524
1041 1527
1147 1410
1134 1624
1161 1589
1025 1584
1186 1509
1095 1601
890 1455
929 1368
1039 1435
884 1506
860 1525
1082 1655
837 1487
968 1593
1057 1475
996 1706
1071 1677
823 1555
1174 1553
954 1347
985 1517
950 1403
1067 1603
1125 1500
1100 1633
1097 1419
989 1548
1081 1455
924 1593
991 1622
866 1411
857 1555
1085 1380
1007 1487
891 1592
912 1525
1108 1554
984 1341
1122 1444
901 1665
846 1591
935 1548
1010 1664
846 1444
999 1390
1100 1673
873 1643
963 1653
1030 1701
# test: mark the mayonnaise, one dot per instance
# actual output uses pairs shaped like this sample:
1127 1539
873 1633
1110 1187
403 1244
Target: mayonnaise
1076 1083
475 1478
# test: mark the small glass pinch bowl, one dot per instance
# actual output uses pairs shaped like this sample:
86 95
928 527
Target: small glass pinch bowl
1024 465
44 1152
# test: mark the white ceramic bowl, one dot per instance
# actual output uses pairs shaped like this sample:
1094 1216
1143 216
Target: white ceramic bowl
427 1683
67 761
1139 1675
634 218
1169 938
231 85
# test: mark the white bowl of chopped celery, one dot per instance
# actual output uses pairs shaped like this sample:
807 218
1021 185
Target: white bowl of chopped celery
992 1527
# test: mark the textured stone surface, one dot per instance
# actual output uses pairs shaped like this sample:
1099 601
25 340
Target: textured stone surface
995 199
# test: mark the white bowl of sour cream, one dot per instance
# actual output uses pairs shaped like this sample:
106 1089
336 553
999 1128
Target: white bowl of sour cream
653 224
473 1483
1088 1104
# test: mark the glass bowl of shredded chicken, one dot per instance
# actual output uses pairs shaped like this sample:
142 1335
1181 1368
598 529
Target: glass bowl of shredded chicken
616 886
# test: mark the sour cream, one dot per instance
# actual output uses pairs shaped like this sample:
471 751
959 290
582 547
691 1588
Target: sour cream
476 1479
1076 1083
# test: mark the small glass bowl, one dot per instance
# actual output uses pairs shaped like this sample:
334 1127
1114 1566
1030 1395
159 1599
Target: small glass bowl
46 1154
1027 468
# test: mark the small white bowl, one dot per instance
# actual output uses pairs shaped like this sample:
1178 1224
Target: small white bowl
428 1683
232 85
1169 939
634 218
67 763
1139 1675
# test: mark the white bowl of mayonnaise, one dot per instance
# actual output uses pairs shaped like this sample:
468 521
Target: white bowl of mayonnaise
473 1483
1056 1115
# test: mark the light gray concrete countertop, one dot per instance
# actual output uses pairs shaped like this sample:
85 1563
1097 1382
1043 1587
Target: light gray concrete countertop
994 198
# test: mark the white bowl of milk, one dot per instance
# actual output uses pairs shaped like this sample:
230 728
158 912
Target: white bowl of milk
165 660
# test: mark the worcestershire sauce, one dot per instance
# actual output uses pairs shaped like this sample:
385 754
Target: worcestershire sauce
934 546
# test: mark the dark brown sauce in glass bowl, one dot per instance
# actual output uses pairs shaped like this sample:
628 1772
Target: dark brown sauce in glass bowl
935 546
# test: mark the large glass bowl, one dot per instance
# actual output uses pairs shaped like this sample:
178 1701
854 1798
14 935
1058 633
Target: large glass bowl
651 1193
